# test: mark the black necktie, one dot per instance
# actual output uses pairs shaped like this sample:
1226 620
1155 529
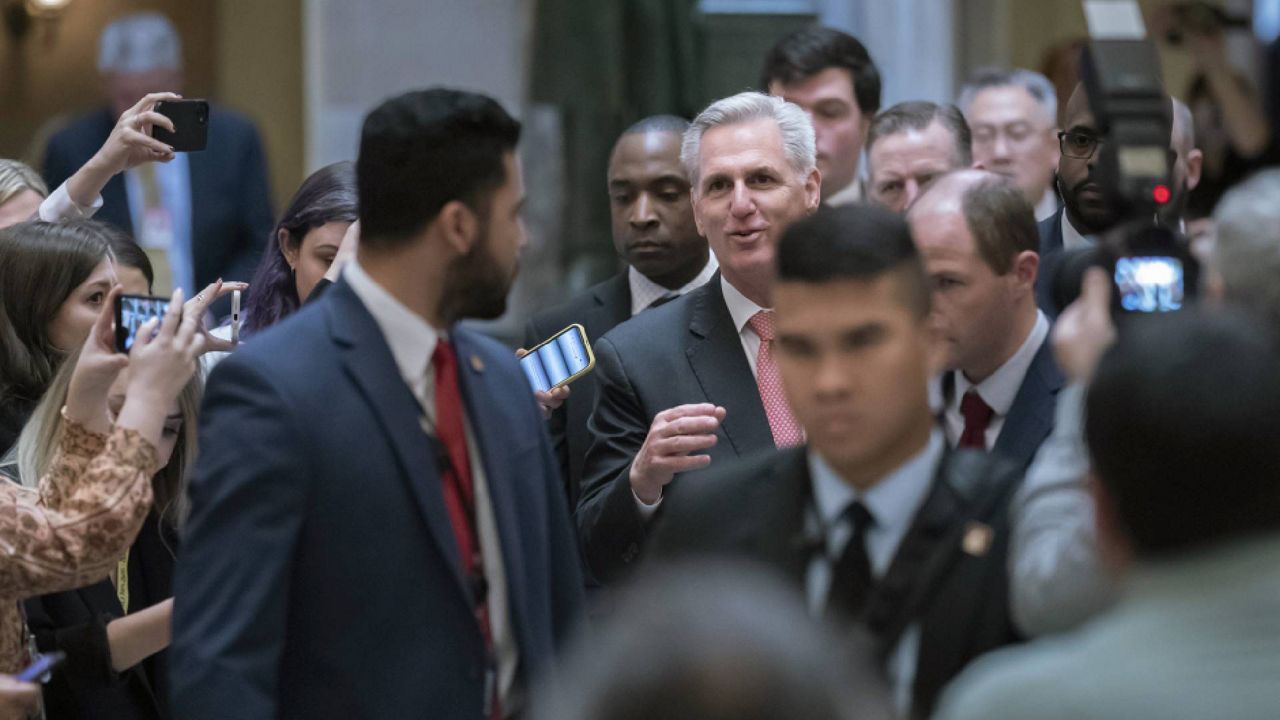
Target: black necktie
851 580
661 301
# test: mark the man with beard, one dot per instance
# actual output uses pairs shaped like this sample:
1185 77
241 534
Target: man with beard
377 523
693 383
654 233
1086 212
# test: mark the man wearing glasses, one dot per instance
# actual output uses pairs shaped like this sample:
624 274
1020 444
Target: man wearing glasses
1014 119
1086 212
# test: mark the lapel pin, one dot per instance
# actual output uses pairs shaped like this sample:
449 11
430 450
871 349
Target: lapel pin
977 539
477 364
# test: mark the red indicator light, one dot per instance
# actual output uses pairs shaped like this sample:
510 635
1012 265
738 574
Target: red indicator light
1161 194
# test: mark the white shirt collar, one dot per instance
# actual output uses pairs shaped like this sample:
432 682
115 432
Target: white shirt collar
741 309
1071 237
893 501
644 292
1001 388
1048 204
411 338
847 195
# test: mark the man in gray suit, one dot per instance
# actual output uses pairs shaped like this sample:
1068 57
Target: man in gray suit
1181 421
1057 579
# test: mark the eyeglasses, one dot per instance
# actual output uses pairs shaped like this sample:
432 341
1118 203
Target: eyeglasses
1078 145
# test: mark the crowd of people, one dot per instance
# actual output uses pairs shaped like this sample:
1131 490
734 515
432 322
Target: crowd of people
865 435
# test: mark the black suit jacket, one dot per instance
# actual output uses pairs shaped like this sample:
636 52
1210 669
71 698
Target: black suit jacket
319 575
755 510
687 351
1050 252
231 216
599 309
75 622
1030 419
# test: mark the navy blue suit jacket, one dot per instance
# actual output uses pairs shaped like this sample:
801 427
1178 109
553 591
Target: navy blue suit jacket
1050 251
231 216
319 576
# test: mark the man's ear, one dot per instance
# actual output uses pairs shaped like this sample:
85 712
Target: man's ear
290 254
1195 163
813 189
459 226
1026 266
697 219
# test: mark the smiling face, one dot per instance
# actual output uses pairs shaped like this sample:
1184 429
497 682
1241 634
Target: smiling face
853 356
901 164
839 126
80 310
653 226
747 194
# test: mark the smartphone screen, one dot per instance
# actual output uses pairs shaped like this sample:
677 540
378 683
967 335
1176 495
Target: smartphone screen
41 667
131 312
1149 284
557 361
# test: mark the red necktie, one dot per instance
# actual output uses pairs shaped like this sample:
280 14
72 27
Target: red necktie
786 430
977 416
459 496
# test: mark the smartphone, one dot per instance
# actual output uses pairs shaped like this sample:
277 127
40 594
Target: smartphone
190 123
44 664
131 312
235 316
559 360
1150 284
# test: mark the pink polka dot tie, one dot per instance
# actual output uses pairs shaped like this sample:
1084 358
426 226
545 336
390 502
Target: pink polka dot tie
786 430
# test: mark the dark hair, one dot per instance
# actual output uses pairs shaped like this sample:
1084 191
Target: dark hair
658 123
327 195
1002 222
854 242
918 115
805 53
716 641
1181 422
128 252
422 150
40 265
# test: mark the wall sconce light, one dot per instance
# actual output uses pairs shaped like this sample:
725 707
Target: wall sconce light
21 15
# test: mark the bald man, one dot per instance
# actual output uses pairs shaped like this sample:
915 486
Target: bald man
977 234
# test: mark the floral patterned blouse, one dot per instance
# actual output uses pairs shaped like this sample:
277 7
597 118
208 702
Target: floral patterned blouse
71 530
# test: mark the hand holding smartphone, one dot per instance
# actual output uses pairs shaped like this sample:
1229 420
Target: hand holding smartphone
559 360
190 123
44 664
132 312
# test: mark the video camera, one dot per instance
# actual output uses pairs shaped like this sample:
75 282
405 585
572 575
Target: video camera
1151 265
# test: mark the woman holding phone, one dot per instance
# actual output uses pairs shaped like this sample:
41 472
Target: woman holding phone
87 508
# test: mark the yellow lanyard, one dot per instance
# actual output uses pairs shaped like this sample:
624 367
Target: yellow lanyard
122 582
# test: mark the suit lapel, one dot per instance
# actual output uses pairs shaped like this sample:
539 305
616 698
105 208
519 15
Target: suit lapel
717 360
611 306
1030 419
486 412
369 363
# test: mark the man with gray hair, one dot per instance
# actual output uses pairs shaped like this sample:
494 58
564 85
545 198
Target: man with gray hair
1013 115
693 383
1245 262
200 217
910 144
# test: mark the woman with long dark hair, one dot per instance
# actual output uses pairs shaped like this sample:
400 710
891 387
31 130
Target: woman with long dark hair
304 245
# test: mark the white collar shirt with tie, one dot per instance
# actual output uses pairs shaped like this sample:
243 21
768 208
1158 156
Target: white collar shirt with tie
1000 389
893 503
412 341
645 292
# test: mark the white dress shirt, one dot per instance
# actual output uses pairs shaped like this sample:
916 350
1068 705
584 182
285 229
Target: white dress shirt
173 181
59 207
1071 237
1000 389
412 341
893 503
645 292
1048 204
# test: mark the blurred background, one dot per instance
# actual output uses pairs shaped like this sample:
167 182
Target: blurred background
575 71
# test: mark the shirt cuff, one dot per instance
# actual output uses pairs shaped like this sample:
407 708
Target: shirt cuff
59 206
646 510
